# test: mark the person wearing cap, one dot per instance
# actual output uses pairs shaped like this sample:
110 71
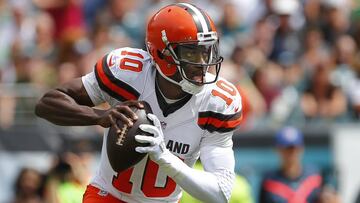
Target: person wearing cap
292 182
287 16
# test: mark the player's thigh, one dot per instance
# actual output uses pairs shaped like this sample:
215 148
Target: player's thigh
95 195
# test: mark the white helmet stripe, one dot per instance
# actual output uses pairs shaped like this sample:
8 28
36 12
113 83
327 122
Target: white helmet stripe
199 15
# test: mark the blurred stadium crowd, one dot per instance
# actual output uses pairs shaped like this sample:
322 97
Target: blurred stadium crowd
295 62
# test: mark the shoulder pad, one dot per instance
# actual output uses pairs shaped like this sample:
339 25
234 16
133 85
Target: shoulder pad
132 58
121 72
220 110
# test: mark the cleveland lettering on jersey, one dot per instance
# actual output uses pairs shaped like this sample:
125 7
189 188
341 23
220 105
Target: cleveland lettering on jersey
177 147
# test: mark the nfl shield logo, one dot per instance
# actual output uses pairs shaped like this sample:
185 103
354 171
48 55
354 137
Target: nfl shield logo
163 125
102 193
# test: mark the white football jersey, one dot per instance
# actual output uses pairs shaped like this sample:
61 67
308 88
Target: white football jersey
194 126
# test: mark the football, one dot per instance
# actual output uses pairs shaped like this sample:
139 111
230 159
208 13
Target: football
121 144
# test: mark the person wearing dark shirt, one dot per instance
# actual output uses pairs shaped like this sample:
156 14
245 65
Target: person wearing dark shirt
292 182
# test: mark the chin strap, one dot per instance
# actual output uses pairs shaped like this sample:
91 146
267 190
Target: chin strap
185 85
190 88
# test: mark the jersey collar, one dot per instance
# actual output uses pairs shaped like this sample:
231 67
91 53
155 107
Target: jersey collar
169 108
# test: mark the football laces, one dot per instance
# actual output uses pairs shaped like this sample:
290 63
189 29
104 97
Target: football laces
121 135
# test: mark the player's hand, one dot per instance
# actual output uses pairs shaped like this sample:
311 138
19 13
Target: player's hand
157 145
121 112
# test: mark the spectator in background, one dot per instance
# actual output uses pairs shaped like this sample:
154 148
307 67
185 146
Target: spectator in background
286 39
314 49
293 182
124 21
336 21
68 17
312 13
344 54
69 25
263 35
232 28
44 46
322 101
28 187
266 80
67 180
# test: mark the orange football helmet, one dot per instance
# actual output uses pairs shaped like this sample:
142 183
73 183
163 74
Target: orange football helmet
179 36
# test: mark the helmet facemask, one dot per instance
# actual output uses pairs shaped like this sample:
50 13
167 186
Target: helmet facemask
194 59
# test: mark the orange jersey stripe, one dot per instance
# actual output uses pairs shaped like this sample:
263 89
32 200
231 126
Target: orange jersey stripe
109 84
219 123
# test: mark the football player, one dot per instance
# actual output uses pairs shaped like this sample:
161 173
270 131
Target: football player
194 111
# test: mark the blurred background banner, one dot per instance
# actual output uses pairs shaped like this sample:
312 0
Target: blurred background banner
295 63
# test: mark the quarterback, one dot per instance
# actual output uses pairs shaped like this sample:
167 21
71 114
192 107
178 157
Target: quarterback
194 111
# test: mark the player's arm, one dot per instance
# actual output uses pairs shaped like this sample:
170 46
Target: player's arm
70 104
217 157
216 182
